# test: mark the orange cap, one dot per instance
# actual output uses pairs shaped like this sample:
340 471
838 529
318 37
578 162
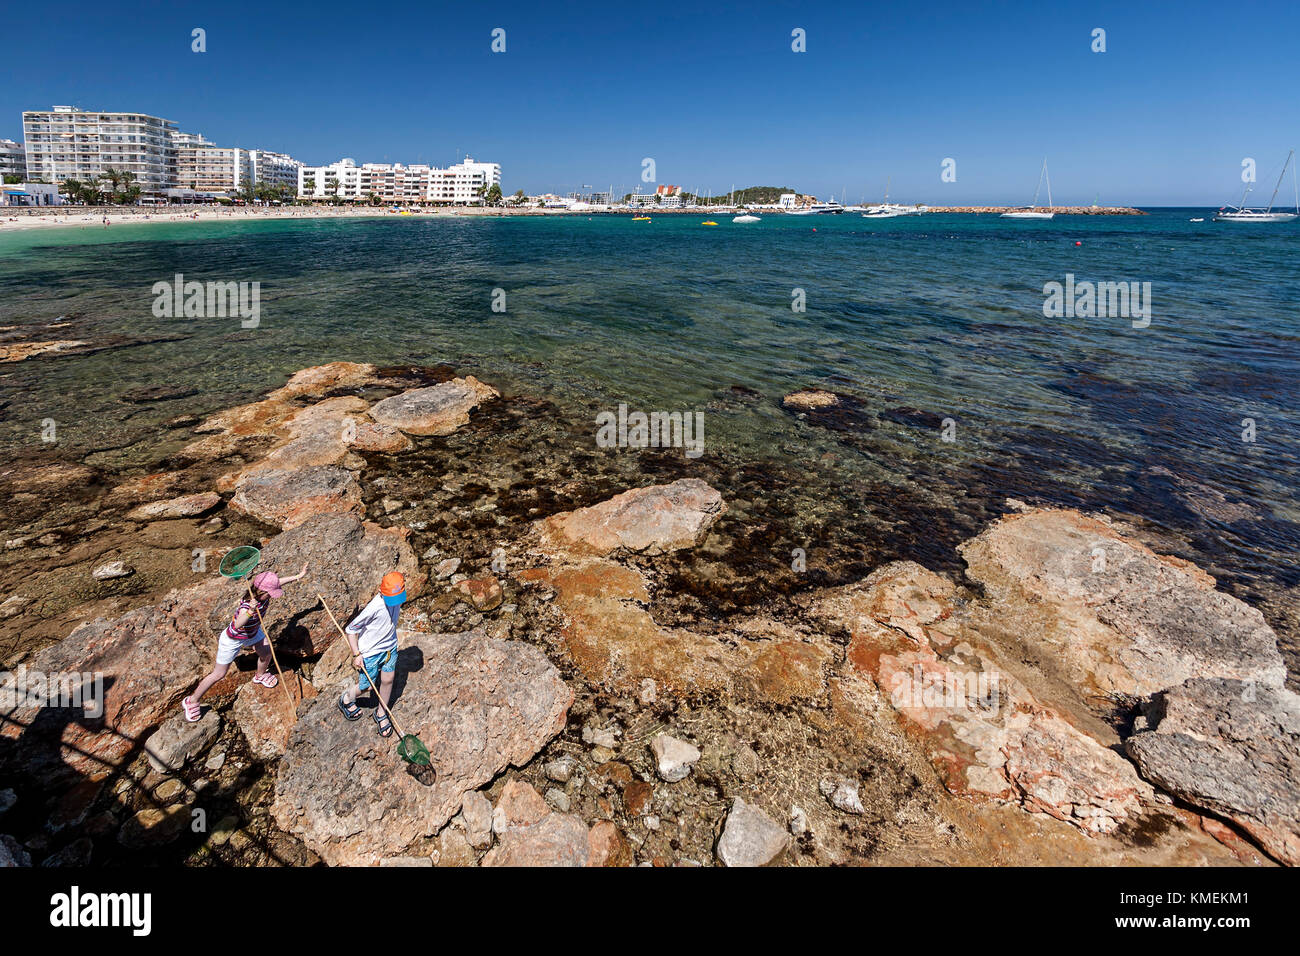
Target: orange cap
393 584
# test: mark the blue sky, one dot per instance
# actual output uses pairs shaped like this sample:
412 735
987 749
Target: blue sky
712 91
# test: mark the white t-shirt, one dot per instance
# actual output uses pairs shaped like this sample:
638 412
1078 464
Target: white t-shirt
375 628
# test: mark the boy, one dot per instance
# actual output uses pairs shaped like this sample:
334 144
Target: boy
372 635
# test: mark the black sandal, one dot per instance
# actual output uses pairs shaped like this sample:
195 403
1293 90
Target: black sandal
349 709
384 724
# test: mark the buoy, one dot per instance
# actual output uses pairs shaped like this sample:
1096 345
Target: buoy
1077 243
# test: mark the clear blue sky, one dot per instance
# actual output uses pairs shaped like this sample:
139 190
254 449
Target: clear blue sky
711 91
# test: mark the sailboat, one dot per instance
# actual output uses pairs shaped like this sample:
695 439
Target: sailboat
1242 214
1029 212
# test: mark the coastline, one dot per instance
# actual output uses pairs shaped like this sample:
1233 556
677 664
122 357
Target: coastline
20 219
616 586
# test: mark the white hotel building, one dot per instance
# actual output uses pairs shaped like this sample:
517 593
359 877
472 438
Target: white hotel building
68 143
461 184
13 159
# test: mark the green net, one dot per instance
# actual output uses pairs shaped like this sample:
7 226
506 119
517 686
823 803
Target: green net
239 562
412 750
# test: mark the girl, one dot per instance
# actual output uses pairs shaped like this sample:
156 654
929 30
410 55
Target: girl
244 633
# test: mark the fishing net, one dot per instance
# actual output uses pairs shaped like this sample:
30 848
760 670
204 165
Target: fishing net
239 562
412 750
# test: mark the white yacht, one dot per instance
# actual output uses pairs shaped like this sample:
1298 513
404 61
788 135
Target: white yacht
1031 211
1242 214
831 208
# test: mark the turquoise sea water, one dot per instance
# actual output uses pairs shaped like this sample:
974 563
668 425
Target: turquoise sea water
922 319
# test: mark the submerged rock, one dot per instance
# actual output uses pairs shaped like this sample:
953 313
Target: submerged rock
673 758
807 398
1232 748
478 703
652 520
437 410
751 837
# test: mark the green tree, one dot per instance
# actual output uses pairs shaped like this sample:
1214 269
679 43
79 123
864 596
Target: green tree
493 196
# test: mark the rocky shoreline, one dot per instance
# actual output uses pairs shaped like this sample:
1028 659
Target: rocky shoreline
598 678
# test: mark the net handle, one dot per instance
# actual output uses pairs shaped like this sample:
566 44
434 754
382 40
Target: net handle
378 696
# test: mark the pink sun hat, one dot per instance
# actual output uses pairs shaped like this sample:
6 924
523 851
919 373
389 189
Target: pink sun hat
269 582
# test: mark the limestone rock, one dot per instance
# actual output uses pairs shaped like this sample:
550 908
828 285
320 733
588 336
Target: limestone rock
520 806
1123 618
154 827
608 848
476 811
750 837
286 498
437 410
843 795
177 741
558 839
186 506
1232 748
112 570
484 593
478 703
264 716
673 758
651 520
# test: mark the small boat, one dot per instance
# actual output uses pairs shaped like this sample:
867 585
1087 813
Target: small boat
1196 220
640 218
1030 211
708 222
746 217
1242 214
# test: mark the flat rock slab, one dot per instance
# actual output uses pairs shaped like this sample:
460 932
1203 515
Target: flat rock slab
286 498
1232 748
653 520
186 506
1121 617
479 704
437 410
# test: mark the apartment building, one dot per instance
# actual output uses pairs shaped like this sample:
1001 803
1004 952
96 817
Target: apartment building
13 160
341 180
205 167
69 143
464 183
276 169
393 183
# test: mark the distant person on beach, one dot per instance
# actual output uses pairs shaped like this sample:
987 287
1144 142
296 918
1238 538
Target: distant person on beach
244 633
372 635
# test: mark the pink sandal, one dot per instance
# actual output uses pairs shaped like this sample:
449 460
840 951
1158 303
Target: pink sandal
266 680
192 710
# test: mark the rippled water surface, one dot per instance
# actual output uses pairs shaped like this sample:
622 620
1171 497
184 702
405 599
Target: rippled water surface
924 319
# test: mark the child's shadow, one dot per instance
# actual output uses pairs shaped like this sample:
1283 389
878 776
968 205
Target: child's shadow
409 660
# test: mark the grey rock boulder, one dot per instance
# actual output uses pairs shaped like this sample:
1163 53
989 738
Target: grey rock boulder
479 704
1232 748
178 741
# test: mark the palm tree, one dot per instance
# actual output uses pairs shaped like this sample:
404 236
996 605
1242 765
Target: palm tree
72 188
494 195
